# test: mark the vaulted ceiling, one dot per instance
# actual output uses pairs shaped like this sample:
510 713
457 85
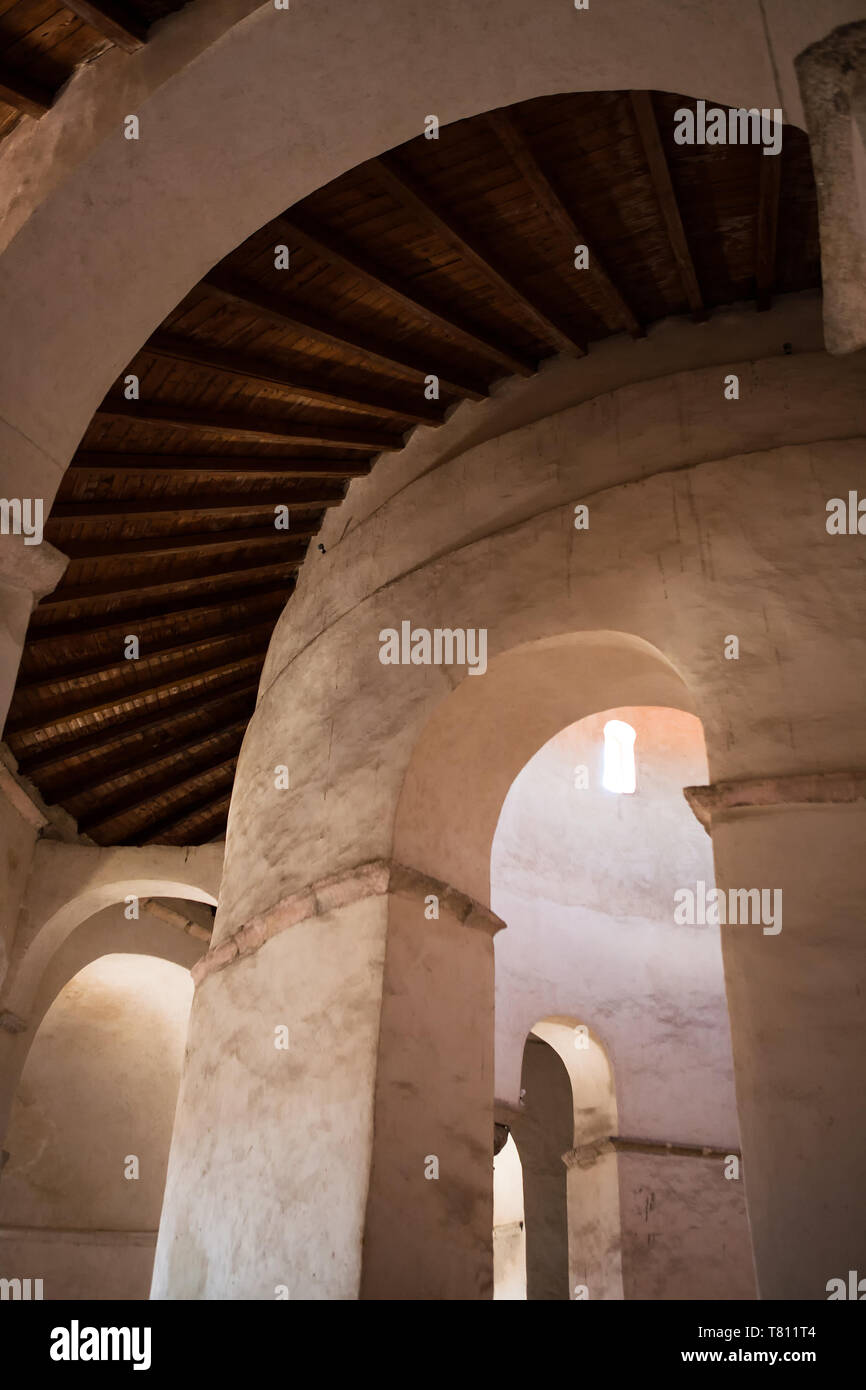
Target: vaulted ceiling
276 386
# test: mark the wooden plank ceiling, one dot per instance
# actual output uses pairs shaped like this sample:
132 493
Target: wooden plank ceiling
268 386
42 43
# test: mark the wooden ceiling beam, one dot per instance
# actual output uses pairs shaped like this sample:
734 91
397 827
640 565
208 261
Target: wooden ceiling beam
333 247
23 94
246 504
147 735
550 201
104 670
152 767
403 187
648 130
261 429
100 823
111 21
134 699
80 551
258 301
187 819
767 226
220 465
291 382
117 588
82 629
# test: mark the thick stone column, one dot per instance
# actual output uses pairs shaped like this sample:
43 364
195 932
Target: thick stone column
350 1156
797 1002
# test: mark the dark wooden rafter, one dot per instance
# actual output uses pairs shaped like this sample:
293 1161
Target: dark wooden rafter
406 190
239 366
206 612
193 505
112 21
216 465
52 760
516 144
114 791
115 588
768 222
95 675
131 703
374 349
334 248
25 95
645 117
206 808
260 428
144 809
121 548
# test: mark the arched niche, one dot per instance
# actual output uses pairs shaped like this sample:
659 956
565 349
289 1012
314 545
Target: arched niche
88 1144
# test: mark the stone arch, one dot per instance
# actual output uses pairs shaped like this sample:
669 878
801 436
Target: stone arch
481 735
70 883
98 1089
193 181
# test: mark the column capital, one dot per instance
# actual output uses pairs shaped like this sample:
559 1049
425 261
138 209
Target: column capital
800 789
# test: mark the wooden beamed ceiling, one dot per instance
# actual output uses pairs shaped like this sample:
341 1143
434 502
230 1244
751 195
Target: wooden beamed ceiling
273 387
42 43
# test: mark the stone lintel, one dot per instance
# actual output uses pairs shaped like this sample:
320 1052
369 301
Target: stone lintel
801 789
375 878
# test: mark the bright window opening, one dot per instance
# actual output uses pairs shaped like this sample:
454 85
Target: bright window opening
619 773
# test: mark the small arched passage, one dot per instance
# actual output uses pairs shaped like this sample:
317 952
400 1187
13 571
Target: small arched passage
88 1144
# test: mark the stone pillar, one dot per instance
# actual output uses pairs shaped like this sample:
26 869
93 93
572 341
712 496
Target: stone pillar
542 1131
832 78
27 572
353 1157
797 1003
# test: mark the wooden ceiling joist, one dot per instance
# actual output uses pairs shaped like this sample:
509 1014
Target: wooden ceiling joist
406 190
145 808
241 367
644 114
131 704
205 807
22 93
112 21
518 147
120 548
193 505
118 588
83 677
335 249
53 761
262 429
81 630
217 465
110 789
374 349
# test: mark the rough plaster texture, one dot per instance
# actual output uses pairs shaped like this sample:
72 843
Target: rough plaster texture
543 1133
684 1236
100 1084
704 520
798 1009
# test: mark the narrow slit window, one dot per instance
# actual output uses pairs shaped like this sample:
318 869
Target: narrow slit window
619 772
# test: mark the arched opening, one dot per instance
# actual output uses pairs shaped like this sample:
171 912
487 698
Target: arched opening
90 1131
509 1223
586 883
